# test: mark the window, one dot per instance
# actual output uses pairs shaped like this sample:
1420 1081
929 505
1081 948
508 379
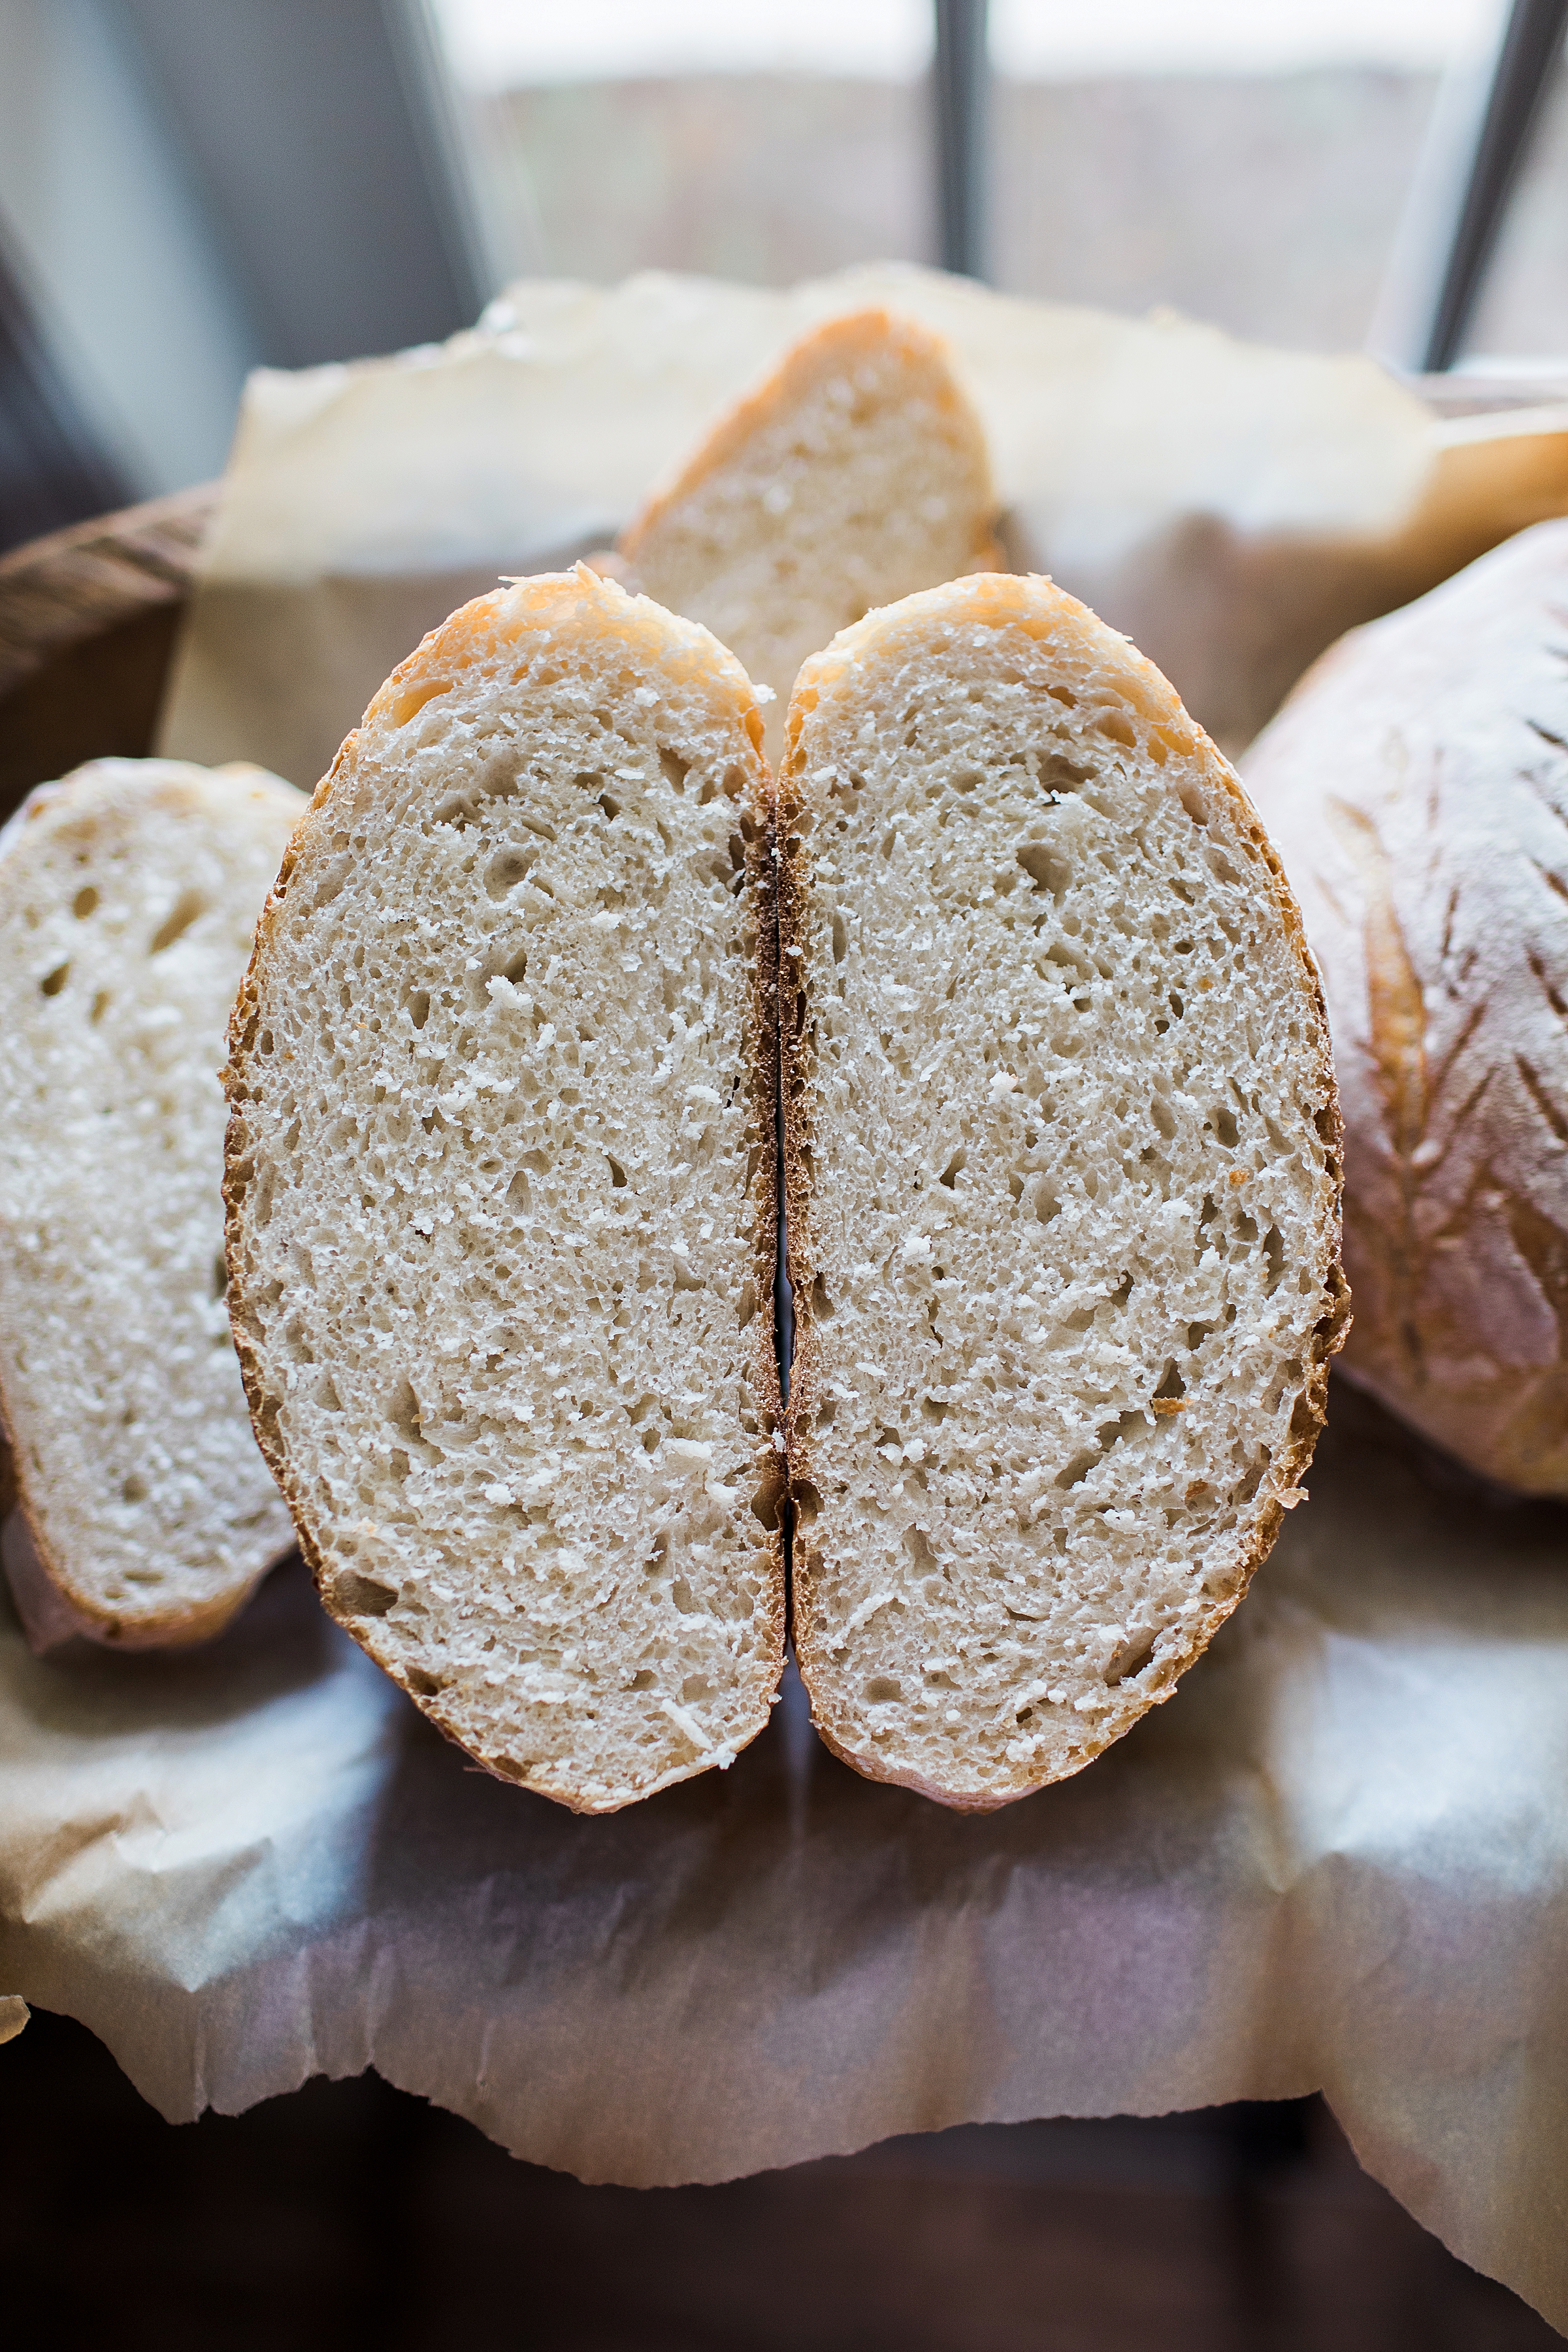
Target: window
764 142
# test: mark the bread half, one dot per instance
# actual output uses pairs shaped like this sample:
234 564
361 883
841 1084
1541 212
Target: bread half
503 1198
855 474
1061 1153
128 895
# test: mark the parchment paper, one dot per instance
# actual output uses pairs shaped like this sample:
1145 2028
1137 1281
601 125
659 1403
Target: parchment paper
1233 509
1338 1858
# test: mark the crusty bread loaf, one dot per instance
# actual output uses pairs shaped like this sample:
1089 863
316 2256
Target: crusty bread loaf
128 895
1060 1161
855 474
1417 785
501 1192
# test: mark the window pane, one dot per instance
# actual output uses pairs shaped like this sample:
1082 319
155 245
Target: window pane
762 141
1523 308
1248 165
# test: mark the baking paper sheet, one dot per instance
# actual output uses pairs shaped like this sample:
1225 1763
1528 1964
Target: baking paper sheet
1232 508
1338 1859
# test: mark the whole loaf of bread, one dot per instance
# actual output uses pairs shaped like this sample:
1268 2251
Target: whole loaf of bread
1416 788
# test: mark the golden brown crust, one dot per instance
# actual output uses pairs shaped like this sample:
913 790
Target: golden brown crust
1417 786
840 341
430 669
1035 603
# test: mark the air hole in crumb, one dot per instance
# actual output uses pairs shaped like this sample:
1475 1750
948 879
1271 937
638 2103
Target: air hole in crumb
1131 1659
1274 1251
423 1684
617 1174
53 981
519 1193
673 768
506 870
1045 869
840 939
101 1005
220 1277
695 1688
135 1489
642 1680
187 908
362 1595
612 809
954 1168
748 1301
1224 1125
403 1413
821 1304
883 1690
84 902
417 1002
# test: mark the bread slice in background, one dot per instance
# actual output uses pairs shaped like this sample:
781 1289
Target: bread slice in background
857 473
129 895
502 1197
1061 1164
1416 785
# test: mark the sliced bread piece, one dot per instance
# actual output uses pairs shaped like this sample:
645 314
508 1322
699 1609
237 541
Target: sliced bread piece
1061 1154
855 474
128 895
501 1192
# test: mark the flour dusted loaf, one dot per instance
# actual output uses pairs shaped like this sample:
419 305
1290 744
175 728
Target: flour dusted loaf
1417 785
128 895
501 1192
856 474
1061 1166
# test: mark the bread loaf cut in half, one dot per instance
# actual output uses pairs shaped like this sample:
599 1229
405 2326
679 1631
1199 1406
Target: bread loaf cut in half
503 1198
856 474
1416 785
128 895
1061 1168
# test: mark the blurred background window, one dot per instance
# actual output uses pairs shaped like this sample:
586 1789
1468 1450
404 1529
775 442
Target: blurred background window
758 139
188 190
1246 161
